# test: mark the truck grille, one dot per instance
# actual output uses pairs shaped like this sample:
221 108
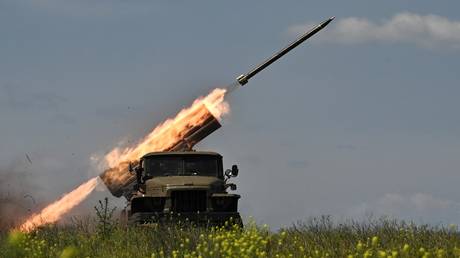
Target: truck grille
188 201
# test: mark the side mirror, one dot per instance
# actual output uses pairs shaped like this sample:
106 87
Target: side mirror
232 186
130 167
232 172
235 170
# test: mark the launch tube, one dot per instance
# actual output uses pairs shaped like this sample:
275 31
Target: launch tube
120 181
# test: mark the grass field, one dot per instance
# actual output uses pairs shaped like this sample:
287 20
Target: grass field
314 238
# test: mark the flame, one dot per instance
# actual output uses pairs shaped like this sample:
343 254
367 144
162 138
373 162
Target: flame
54 211
169 132
160 138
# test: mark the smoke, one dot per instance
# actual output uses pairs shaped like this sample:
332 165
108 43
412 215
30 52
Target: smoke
30 181
422 30
16 193
231 88
56 210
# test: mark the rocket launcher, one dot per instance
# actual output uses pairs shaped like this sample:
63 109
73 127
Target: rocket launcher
121 182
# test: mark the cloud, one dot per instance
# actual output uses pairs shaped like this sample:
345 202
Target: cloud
417 206
421 30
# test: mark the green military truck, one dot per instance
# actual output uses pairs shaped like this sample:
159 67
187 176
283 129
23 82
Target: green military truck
186 186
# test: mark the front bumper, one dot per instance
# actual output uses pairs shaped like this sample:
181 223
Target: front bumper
201 218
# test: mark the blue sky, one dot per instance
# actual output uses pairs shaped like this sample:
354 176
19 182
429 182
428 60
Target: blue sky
361 119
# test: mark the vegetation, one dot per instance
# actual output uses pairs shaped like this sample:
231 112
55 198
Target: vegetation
319 237
315 238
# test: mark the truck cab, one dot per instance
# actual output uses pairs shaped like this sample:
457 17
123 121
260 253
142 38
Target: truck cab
188 185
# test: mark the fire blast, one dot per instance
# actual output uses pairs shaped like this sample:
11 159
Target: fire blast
54 211
160 138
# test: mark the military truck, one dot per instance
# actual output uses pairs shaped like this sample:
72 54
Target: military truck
177 183
185 185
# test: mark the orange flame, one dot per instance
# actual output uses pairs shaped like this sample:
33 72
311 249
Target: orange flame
54 211
169 131
159 139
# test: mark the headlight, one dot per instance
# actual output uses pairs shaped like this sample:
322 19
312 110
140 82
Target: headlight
225 204
147 204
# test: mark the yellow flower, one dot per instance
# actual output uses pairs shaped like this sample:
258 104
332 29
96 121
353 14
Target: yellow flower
456 251
69 252
406 248
375 241
16 237
367 254
359 246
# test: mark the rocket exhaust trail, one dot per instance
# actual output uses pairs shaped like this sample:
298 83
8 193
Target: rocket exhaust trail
232 87
54 211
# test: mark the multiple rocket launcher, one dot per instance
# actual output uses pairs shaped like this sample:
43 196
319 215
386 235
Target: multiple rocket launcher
120 181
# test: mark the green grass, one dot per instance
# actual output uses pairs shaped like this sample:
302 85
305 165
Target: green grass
315 238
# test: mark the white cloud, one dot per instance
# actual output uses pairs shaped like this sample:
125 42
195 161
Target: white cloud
417 206
422 202
422 30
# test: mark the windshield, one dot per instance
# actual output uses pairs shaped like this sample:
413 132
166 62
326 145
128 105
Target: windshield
181 166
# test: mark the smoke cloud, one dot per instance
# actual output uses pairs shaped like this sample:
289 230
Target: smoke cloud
422 30
28 183
16 194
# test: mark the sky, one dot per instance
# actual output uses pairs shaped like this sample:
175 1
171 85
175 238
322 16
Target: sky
360 120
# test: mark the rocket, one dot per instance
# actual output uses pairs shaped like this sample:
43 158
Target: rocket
244 78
